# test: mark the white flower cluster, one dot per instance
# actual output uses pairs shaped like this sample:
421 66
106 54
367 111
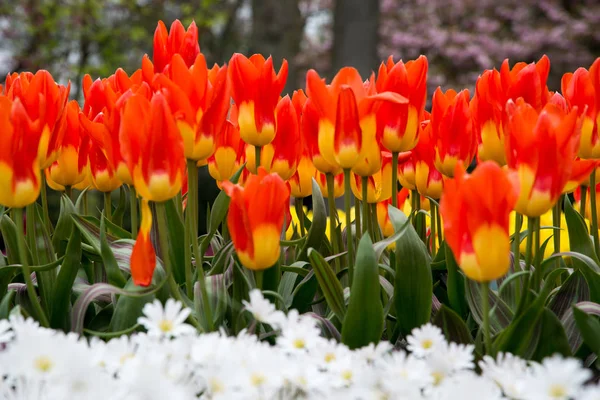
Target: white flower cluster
172 361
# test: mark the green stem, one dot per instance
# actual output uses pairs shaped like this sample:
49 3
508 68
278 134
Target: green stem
485 305
582 201
257 150
439 226
108 206
69 192
528 257
300 214
349 238
85 203
365 207
45 212
258 277
37 307
395 179
594 211
537 273
332 217
192 210
432 235
358 216
516 244
556 222
377 235
133 208
419 220
163 237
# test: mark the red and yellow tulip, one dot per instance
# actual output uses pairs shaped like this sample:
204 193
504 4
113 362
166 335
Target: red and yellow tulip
175 41
256 217
428 180
475 212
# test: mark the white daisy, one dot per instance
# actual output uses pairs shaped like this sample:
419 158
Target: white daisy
448 359
556 378
167 321
263 310
425 340
466 385
299 333
590 392
6 334
508 371
400 369
374 352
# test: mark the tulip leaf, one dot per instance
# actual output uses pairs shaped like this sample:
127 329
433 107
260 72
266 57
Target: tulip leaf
216 286
176 247
220 206
452 325
413 287
9 234
63 287
501 314
316 233
329 284
588 268
119 212
553 338
574 290
455 283
398 233
5 304
589 326
579 237
129 308
64 225
115 277
363 323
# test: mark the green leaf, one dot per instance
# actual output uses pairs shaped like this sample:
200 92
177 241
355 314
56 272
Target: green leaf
329 284
63 288
119 212
316 233
579 237
9 234
589 328
553 338
574 290
455 283
220 206
216 287
399 231
413 286
176 244
114 275
501 315
363 323
5 304
452 325
64 225
129 308
588 268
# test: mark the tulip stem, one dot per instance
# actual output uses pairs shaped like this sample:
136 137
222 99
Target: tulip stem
531 223
163 232
300 214
439 226
69 192
537 256
516 244
582 201
192 226
257 150
45 212
108 206
377 235
365 207
556 222
258 278
594 212
37 307
357 215
432 235
349 238
395 179
485 306
85 202
133 205
332 217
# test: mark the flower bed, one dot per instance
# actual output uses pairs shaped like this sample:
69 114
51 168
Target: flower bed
172 361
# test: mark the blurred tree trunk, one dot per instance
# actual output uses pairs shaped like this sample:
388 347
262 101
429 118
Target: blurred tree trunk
355 35
277 29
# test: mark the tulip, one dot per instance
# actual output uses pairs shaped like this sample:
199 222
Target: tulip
580 174
379 186
20 178
70 168
382 211
398 124
176 41
582 90
255 90
541 149
310 135
229 154
256 217
428 180
452 130
527 81
103 177
338 184
199 99
143 256
301 181
475 210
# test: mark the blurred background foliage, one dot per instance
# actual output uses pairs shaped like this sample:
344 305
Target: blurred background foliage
460 37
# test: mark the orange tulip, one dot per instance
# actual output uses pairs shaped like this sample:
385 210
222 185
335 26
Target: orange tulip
452 130
310 134
143 256
103 176
541 149
229 154
475 211
176 41
398 124
255 90
428 180
152 147
338 184
582 90
283 153
379 187
199 100
19 158
346 115
256 218
301 181
527 81
580 174
69 169
46 101
382 212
